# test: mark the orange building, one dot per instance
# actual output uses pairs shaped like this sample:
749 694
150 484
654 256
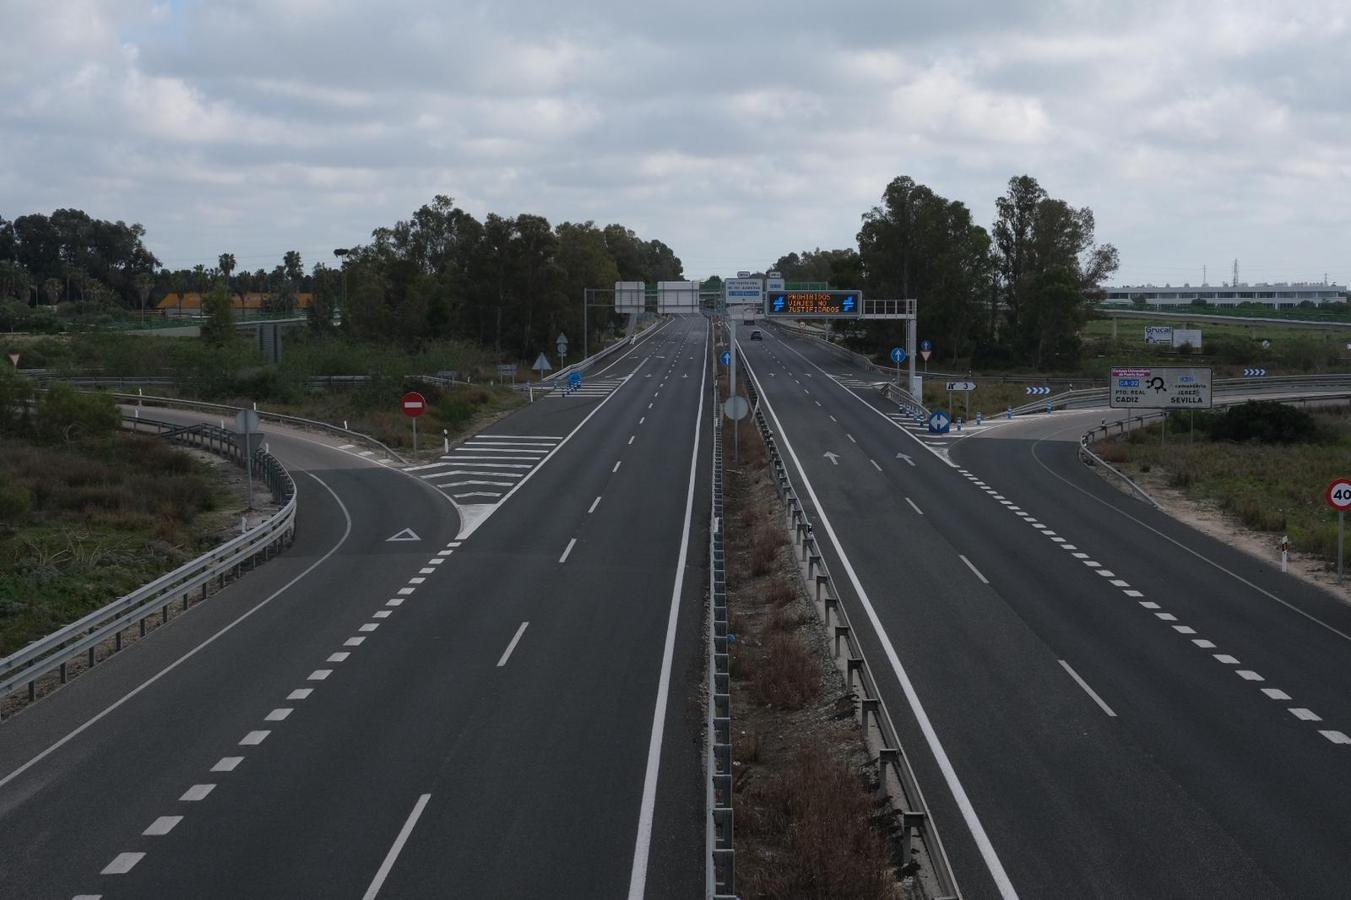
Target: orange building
245 305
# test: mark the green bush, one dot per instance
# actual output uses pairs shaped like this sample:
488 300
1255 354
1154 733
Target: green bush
1266 422
15 501
67 414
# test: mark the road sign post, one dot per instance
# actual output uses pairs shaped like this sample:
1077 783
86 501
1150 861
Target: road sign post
414 405
246 423
1338 496
898 357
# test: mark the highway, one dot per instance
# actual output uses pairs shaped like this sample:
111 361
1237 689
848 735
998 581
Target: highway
1098 701
442 689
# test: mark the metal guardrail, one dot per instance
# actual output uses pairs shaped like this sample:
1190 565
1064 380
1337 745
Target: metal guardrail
721 856
279 418
895 774
83 637
43 378
582 365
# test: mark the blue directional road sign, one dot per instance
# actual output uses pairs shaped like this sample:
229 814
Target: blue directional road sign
575 379
848 305
926 345
939 422
1254 373
726 357
897 355
779 303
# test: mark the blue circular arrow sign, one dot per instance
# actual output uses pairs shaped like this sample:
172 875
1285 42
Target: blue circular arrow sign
575 379
897 355
726 357
926 345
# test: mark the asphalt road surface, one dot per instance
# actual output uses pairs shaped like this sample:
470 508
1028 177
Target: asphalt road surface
495 706
1099 701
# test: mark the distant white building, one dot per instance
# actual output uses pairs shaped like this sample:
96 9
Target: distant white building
1273 295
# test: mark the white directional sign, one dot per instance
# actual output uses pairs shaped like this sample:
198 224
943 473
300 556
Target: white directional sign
744 290
961 385
1160 387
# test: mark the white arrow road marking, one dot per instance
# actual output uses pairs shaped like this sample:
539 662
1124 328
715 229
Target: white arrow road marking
905 457
833 457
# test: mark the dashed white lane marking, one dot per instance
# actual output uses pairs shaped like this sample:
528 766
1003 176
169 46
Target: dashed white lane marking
913 506
1226 659
631 437
1276 694
405 591
300 694
973 569
122 863
340 656
567 550
1166 616
1248 675
418 580
594 504
87 897
394 601
1184 629
382 614
506 654
369 626
875 465
616 468
227 764
1305 715
253 738
197 792
279 714
850 436
642 420
833 419
162 826
1132 593
444 553
393 854
1088 690
426 571
320 674
1206 645
436 560
1336 737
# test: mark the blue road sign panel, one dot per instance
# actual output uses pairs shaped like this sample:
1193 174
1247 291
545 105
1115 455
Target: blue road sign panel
575 379
926 345
726 357
897 355
939 422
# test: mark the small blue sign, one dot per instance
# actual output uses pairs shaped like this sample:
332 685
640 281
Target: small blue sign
848 305
778 303
897 355
926 345
939 422
1128 382
575 379
726 357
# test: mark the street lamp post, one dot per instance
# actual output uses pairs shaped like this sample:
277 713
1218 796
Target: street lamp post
341 253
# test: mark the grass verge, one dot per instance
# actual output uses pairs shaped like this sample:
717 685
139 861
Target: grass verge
83 523
1268 487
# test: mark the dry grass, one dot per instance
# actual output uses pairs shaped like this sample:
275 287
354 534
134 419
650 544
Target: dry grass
833 851
786 676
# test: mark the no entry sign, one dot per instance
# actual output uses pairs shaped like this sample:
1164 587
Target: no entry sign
414 404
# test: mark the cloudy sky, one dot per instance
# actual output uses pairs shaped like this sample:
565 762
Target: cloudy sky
734 131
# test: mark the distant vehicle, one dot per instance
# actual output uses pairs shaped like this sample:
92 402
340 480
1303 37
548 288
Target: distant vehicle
757 336
750 321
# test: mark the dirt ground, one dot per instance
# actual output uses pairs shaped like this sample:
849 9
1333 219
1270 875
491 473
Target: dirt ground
1208 518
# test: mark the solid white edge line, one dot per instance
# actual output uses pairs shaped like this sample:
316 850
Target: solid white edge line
195 650
506 654
974 570
959 795
1087 690
643 842
913 506
394 851
567 550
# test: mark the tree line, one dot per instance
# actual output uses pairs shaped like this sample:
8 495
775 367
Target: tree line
509 282
1015 294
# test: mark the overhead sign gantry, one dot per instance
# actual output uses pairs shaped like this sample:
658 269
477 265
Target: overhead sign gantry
814 304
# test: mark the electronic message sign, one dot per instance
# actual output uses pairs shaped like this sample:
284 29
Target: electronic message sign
814 304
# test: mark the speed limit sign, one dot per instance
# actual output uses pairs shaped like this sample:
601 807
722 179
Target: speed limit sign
1339 494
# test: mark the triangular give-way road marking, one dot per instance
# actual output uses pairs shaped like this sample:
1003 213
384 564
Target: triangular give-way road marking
407 534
